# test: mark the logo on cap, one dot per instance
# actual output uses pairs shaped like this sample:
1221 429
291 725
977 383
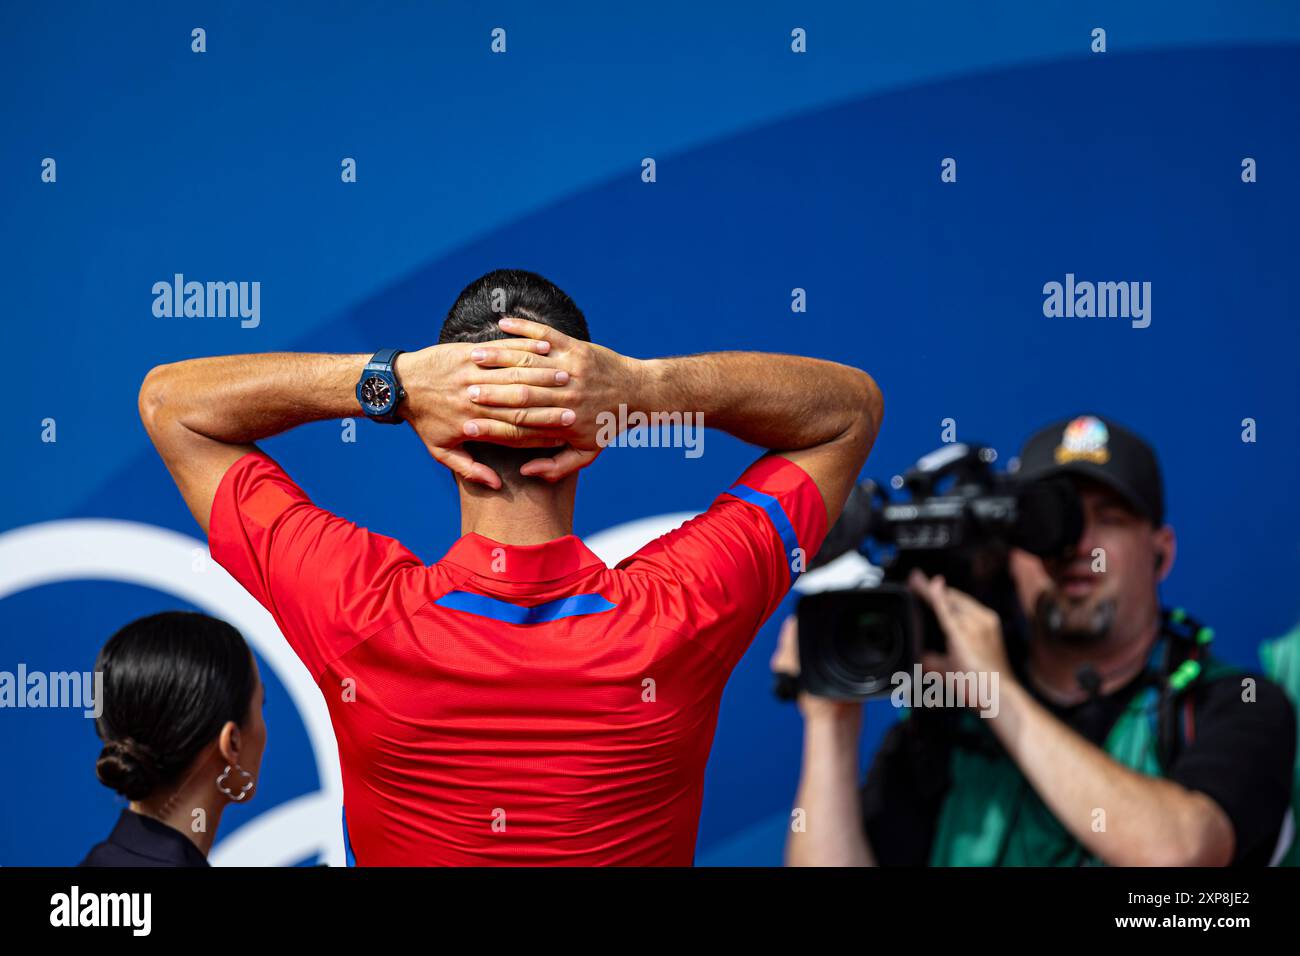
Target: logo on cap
1084 439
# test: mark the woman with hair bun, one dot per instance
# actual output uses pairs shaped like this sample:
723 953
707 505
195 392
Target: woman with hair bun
183 736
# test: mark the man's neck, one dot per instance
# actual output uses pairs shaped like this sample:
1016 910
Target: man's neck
533 514
1054 668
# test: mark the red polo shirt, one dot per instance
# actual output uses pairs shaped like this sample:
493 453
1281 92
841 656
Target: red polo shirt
519 704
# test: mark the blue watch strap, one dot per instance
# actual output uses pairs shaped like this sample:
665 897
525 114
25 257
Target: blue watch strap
384 358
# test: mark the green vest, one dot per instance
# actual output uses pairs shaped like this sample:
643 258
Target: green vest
1281 660
993 817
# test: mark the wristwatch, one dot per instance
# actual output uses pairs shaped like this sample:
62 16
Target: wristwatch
378 391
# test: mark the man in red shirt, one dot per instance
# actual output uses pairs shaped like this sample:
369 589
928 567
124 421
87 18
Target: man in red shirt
518 702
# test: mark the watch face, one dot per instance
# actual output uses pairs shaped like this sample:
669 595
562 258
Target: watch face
376 393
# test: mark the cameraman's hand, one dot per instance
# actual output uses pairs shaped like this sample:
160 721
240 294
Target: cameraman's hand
973 631
786 661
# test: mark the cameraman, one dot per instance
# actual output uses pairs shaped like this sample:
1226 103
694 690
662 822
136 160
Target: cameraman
1070 769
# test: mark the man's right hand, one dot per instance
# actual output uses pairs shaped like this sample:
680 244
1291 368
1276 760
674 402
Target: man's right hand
440 383
599 380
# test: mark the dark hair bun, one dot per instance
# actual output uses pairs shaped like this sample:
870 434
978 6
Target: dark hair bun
171 682
129 767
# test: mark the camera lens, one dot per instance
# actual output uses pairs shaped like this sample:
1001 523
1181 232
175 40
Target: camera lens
852 642
860 652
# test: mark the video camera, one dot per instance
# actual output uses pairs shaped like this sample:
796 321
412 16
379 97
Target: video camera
960 520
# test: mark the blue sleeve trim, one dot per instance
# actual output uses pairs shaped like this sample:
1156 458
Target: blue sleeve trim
347 842
484 606
780 521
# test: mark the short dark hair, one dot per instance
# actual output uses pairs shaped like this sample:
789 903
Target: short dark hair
171 682
474 318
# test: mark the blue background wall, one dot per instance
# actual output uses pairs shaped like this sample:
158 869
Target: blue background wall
775 171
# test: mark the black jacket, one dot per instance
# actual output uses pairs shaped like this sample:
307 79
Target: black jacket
142 841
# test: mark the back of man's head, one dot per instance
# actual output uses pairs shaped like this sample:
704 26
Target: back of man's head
474 318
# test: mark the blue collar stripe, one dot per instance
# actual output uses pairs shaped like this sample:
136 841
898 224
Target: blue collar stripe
507 613
780 521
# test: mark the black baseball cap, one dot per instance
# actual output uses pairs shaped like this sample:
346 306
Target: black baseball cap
1094 447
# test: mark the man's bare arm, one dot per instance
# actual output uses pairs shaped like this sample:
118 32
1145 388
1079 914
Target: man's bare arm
204 414
821 415
1149 821
826 827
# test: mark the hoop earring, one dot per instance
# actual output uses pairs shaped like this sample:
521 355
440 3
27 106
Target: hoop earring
243 791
